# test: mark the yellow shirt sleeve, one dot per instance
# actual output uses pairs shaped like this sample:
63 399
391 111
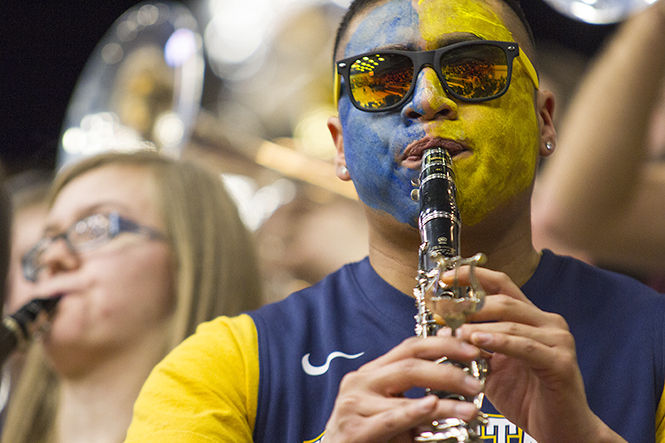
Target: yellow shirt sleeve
660 420
206 389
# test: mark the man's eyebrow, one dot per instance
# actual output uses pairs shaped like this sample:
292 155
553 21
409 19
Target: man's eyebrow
395 46
444 40
457 37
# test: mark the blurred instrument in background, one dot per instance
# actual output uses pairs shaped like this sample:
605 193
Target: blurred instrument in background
142 84
599 12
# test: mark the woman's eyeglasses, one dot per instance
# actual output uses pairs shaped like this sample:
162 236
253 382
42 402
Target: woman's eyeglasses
470 71
87 233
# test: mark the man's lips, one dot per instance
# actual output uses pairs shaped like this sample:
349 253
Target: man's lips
412 155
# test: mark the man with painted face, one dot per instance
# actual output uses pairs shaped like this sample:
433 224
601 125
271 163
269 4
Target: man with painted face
576 354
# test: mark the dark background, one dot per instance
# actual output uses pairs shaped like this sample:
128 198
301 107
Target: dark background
45 44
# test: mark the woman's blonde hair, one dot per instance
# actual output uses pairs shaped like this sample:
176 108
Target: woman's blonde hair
216 271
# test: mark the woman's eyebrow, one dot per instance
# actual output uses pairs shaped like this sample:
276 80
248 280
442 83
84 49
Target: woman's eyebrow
104 206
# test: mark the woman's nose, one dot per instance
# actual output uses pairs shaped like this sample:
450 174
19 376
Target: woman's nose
429 100
57 257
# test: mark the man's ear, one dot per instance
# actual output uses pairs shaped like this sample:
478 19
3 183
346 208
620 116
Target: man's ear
335 128
545 104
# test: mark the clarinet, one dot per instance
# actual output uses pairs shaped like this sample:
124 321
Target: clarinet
440 305
17 329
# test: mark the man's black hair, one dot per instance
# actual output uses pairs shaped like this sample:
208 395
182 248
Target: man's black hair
357 5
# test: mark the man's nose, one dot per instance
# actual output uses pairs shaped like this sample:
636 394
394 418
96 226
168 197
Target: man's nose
429 100
57 257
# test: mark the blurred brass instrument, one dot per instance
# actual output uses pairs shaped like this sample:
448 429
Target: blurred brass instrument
599 12
140 88
440 305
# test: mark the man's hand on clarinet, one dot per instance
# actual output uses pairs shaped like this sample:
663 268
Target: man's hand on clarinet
370 406
534 379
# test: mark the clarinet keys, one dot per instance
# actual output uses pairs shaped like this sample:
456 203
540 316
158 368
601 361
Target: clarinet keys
440 304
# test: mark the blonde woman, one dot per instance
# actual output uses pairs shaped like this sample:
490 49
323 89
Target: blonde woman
142 249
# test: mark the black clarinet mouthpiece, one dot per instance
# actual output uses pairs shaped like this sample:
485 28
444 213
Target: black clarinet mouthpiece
439 219
17 329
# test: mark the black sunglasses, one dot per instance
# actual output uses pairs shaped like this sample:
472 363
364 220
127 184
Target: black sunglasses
470 71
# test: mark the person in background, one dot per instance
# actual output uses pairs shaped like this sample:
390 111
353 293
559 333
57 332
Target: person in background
141 248
602 197
339 361
5 231
27 191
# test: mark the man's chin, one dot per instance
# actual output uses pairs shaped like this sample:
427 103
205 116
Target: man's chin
409 221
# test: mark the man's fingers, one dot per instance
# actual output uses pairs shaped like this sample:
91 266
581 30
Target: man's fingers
536 354
401 376
493 282
547 336
504 308
430 348
395 416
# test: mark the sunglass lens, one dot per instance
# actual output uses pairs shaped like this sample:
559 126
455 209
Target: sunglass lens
380 80
476 71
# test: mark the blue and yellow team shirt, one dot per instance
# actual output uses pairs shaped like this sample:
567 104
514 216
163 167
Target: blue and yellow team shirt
310 340
272 375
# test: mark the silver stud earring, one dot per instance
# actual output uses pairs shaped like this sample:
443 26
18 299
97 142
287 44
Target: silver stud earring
342 170
549 146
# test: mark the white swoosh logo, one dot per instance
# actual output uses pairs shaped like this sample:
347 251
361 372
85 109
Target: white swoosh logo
320 370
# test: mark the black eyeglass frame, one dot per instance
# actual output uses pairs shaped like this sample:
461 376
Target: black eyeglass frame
432 58
116 225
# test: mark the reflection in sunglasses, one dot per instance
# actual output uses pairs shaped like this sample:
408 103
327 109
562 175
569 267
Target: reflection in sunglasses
472 71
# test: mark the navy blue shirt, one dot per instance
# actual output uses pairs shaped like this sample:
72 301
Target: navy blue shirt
308 341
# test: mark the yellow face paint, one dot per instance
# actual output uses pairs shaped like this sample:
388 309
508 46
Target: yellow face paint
467 16
502 134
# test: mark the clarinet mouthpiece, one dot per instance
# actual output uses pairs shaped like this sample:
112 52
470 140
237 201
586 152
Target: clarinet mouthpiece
17 329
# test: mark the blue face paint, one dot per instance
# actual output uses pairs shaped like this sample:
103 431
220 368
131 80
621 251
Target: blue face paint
500 137
373 142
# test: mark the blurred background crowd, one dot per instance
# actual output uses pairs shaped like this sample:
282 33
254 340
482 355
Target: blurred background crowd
242 85
243 89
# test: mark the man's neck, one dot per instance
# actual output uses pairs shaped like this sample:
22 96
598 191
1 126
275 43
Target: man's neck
393 250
